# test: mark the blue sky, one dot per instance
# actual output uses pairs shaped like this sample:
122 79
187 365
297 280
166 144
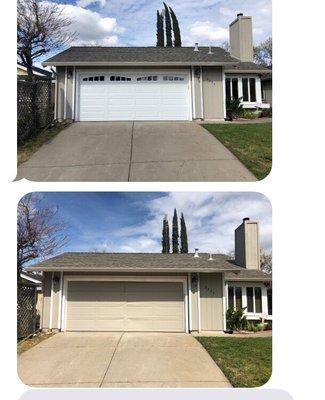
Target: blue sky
132 221
133 22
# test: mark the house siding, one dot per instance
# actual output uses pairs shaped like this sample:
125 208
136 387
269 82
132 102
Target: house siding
213 99
46 300
211 301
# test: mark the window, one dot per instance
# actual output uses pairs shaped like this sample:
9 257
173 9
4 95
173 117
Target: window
230 297
245 89
231 88
148 78
100 78
269 301
173 78
252 89
118 78
238 295
250 299
258 300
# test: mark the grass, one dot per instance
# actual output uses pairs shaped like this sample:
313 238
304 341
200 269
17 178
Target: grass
246 362
27 344
250 143
26 150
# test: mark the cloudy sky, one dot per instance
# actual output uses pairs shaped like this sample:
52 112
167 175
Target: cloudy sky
132 222
133 22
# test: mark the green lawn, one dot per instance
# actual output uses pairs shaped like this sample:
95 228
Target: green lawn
246 362
250 143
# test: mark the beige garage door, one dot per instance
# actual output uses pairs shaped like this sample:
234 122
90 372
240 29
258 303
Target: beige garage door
125 306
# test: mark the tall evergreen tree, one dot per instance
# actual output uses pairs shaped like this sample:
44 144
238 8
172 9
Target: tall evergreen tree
160 30
165 236
184 243
168 27
175 235
176 30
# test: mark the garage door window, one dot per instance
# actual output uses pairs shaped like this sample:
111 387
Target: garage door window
100 78
118 78
173 78
147 78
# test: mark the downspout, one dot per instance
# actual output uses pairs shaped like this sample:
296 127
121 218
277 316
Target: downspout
202 102
65 93
224 93
224 305
193 93
74 94
199 302
189 286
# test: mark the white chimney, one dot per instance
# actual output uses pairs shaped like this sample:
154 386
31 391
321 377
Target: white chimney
196 255
241 38
247 245
196 47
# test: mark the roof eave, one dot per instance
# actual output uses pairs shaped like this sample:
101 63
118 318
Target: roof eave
248 71
136 64
236 279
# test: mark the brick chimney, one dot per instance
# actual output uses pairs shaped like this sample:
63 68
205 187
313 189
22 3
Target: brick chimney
241 38
247 245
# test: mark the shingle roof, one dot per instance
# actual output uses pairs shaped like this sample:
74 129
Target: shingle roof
243 67
140 262
39 70
141 56
248 275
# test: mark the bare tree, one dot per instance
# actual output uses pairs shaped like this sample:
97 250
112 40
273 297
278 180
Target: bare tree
40 231
266 262
41 28
263 53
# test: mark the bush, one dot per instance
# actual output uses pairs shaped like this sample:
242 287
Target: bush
234 108
248 114
236 320
266 112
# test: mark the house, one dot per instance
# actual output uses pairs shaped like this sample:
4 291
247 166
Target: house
266 81
158 83
37 281
155 292
38 72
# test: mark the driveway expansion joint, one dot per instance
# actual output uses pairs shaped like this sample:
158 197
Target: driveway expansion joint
110 361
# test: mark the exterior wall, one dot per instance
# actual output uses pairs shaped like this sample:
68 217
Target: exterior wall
211 302
247 246
45 322
21 71
212 84
267 91
213 98
194 302
241 38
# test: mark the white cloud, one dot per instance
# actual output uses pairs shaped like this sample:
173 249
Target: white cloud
86 3
91 27
207 30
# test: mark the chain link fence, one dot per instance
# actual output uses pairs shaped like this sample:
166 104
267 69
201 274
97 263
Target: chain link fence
26 309
34 107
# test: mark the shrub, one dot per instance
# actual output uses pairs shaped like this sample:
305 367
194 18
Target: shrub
248 114
236 320
234 108
266 112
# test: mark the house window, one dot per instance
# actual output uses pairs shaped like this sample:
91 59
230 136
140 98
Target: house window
245 89
252 89
230 297
99 78
269 301
173 78
239 300
118 78
148 78
231 88
250 299
258 300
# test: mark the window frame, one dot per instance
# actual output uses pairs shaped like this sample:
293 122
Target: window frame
240 77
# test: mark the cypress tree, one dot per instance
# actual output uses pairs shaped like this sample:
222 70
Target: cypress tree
160 30
165 236
184 243
177 32
175 232
168 27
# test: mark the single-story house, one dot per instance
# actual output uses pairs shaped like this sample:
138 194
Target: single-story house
158 83
38 72
266 81
154 291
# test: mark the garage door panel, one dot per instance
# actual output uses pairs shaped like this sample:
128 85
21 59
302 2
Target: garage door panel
125 306
134 100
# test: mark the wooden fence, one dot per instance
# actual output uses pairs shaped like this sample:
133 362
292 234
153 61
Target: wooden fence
34 107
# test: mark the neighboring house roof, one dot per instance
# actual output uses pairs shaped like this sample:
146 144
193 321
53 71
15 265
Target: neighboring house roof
37 71
249 275
140 262
31 277
248 67
141 56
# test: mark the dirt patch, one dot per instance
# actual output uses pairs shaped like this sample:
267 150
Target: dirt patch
27 344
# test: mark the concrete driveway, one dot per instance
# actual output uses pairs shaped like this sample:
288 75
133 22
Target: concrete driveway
84 359
134 151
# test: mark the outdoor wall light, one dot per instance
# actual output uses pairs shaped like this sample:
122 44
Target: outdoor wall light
194 279
56 280
197 72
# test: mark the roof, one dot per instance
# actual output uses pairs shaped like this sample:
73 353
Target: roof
140 262
248 67
37 70
249 275
141 56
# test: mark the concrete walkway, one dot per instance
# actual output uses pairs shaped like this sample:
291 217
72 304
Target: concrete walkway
110 359
134 151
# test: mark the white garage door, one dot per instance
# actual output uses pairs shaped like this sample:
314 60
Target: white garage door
133 96
125 306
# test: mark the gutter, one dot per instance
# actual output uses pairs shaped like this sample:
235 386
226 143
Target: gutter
248 71
162 269
135 64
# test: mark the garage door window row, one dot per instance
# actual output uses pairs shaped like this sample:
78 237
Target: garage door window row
100 78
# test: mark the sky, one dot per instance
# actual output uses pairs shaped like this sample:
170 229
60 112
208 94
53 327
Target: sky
132 221
133 22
